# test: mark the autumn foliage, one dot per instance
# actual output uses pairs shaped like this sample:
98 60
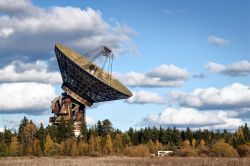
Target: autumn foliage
104 140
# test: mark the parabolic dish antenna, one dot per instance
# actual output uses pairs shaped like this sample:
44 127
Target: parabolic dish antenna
84 83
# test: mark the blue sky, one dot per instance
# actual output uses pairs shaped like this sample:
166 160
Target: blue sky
187 62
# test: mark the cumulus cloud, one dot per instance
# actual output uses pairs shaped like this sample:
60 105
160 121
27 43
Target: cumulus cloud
181 117
234 96
217 41
18 71
90 121
31 98
143 97
241 68
41 28
168 72
161 76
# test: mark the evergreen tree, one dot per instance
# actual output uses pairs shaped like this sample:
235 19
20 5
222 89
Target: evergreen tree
189 135
41 135
84 131
131 135
7 135
99 128
176 137
52 130
65 130
106 127
23 123
246 132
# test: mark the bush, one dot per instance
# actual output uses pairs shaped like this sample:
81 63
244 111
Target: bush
137 151
244 150
222 149
187 152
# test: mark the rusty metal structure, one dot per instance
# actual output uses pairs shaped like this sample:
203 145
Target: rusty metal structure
84 83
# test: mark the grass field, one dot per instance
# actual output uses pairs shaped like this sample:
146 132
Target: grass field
123 161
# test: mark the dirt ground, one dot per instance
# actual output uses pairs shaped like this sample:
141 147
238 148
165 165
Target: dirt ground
122 161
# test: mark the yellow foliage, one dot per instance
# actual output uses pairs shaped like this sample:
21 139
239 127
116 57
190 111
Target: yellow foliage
193 143
222 149
137 151
48 145
82 148
108 145
117 144
186 143
202 148
187 150
73 150
14 146
154 147
36 148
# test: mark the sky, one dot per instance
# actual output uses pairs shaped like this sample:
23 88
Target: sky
186 62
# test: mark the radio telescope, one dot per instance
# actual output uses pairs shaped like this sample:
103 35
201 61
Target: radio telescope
84 83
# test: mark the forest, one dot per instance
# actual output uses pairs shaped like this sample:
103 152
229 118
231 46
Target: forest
103 139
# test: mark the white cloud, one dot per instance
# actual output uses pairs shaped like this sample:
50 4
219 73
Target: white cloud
241 68
18 71
32 98
90 121
6 32
41 28
217 41
168 72
234 96
193 118
161 76
215 67
143 97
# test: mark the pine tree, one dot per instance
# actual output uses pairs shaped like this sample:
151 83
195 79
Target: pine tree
189 134
99 128
7 135
246 132
84 131
131 135
52 130
23 123
41 135
106 127
65 130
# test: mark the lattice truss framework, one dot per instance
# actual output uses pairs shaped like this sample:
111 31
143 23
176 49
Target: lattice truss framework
83 83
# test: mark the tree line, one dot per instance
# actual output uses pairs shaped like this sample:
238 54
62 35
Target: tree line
103 139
